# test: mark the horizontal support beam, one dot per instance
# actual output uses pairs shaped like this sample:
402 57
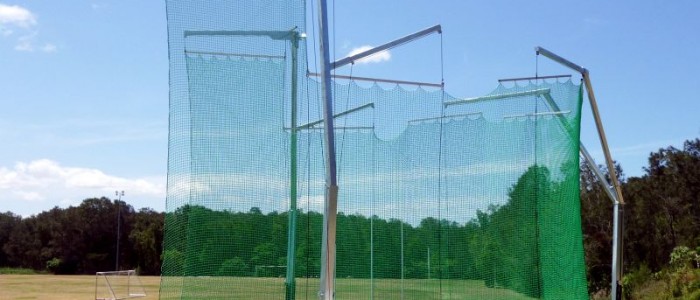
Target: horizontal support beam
379 80
534 78
273 34
336 128
387 46
347 112
548 113
559 59
446 117
498 96
235 54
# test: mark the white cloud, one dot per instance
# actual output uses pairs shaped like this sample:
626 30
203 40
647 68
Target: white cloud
46 181
25 43
17 19
376 58
16 15
49 48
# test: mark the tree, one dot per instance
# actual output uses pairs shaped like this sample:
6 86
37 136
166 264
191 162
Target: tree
8 221
146 240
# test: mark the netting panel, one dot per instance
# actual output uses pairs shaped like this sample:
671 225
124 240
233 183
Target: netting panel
477 200
229 84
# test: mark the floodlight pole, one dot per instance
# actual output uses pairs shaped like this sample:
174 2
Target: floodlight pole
618 200
119 225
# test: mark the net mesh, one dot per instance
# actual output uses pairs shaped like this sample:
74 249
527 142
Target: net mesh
440 198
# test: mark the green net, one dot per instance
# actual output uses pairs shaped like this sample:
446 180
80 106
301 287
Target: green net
440 198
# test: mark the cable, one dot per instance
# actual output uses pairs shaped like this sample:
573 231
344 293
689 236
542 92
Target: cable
345 120
442 115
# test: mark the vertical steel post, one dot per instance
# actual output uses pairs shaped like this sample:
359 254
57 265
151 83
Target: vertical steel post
617 259
327 288
290 281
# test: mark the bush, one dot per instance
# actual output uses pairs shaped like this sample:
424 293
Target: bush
682 257
54 265
684 278
634 280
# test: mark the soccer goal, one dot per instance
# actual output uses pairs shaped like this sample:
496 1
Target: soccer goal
118 285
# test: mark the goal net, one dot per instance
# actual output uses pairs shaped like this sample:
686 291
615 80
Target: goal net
118 285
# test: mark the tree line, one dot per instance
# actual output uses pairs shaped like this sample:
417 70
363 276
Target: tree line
662 213
83 239
510 246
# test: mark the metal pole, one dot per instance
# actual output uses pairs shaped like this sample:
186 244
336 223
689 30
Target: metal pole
387 46
327 289
601 134
290 282
619 202
559 59
119 223
382 80
616 269
617 259
596 171
497 97
340 114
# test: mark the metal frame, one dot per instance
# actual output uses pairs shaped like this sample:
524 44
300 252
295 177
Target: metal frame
347 112
418 83
387 46
616 197
549 113
610 191
467 115
327 289
497 97
534 78
235 54
327 285
293 37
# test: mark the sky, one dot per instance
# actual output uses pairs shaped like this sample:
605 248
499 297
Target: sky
84 84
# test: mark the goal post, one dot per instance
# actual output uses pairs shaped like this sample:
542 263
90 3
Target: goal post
115 285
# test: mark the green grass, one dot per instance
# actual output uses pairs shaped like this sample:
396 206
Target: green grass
60 287
273 288
17 271
65 287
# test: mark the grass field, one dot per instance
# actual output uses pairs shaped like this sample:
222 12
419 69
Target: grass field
83 287
68 287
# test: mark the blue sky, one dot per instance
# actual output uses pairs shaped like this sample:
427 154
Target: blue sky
84 84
